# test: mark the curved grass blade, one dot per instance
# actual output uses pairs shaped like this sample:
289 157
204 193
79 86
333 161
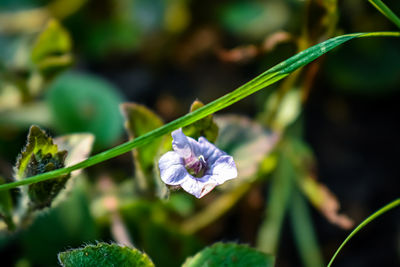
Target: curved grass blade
265 79
372 217
385 10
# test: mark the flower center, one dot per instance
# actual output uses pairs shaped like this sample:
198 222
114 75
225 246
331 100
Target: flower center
197 167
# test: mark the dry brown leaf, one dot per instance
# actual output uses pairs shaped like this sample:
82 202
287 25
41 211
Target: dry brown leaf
325 201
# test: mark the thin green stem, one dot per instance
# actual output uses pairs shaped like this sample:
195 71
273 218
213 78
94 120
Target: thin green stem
385 10
265 79
372 217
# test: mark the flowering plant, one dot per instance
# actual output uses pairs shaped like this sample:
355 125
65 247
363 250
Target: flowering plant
196 166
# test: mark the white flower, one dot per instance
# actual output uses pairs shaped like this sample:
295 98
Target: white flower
196 166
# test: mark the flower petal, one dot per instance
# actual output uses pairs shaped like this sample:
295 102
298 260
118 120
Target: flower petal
172 168
209 151
199 187
223 169
185 146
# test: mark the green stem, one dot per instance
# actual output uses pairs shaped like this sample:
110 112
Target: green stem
385 10
215 211
269 77
372 217
277 204
304 233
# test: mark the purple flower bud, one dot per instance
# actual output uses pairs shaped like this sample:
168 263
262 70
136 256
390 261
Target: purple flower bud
196 166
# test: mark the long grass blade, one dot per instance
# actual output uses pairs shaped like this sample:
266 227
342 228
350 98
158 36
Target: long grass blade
385 10
372 217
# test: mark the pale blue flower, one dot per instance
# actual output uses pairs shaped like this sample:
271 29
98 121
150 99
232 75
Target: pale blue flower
196 166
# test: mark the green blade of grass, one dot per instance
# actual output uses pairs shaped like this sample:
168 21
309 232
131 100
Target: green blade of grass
277 204
372 217
304 233
265 79
385 10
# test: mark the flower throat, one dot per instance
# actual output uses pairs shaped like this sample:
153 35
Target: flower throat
197 167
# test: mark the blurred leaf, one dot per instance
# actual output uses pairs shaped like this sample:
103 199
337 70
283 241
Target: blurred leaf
86 103
253 18
304 232
205 127
66 225
177 16
104 254
112 35
288 110
27 114
6 206
10 96
51 52
229 254
325 201
138 121
277 204
78 146
181 203
246 141
153 230
302 157
41 155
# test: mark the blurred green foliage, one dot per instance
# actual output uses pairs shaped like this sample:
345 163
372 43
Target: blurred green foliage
86 103
161 55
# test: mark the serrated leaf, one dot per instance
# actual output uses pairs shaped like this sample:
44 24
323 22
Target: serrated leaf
51 51
41 155
205 127
229 254
104 254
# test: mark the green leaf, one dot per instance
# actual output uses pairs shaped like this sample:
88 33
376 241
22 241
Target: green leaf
41 155
229 254
205 127
6 206
150 223
140 120
263 80
86 103
51 51
385 10
288 109
104 254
